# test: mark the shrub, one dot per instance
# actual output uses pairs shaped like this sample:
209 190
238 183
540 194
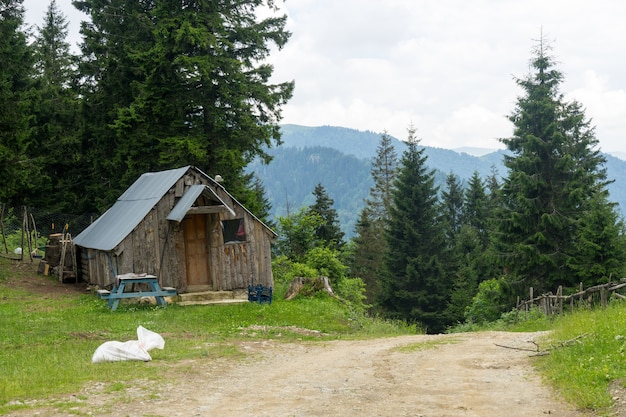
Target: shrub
491 300
353 291
326 261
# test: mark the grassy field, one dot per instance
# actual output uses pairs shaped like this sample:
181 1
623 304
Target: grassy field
587 356
47 341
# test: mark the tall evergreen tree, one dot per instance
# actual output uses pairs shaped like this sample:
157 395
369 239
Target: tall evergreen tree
369 242
476 207
455 249
452 206
56 116
328 231
118 31
556 180
383 173
17 169
179 83
256 199
367 254
471 247
415 286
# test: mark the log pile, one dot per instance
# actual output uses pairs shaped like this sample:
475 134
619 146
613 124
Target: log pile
60 249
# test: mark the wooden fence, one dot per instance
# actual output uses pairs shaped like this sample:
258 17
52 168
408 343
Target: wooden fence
551 303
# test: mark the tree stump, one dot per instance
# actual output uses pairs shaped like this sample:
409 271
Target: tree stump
308 286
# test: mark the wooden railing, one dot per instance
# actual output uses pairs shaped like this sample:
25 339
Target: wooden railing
551 303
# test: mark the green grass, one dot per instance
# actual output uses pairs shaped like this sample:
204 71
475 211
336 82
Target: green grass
46 344
430 344
588 354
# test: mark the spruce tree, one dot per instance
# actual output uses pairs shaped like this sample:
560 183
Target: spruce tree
452 206
17 168
415 286
328 231
476 207
171 84
555 182
383 173
118 32
369 241
56 120
368 249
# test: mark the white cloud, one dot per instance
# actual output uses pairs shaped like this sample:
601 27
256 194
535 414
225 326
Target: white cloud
605 106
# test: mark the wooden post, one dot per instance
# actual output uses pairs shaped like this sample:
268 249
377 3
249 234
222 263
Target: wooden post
559 298
603 298
29 240
580 289
24 220
32 219
4 238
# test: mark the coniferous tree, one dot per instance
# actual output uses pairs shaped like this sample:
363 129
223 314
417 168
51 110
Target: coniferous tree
415 286
118 31
56 116
452 206
455 249
17 169
555 182
171 84
369 241
475 204
256 199
328 231
471 248
383 173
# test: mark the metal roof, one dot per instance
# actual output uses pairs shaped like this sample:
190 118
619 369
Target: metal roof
129 210
180 209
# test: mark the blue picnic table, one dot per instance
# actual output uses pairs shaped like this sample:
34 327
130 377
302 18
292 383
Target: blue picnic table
125 282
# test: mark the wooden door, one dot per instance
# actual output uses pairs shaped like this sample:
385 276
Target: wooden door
197 253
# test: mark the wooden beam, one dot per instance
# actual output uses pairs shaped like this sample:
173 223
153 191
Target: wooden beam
207 209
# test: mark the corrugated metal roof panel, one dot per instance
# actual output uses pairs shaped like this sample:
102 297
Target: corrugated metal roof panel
180 209
153 184
116 223
190 197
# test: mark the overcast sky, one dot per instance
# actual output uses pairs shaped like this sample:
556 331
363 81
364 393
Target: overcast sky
445 66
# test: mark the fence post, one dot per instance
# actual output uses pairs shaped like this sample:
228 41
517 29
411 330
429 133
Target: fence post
603 300
580 289
4 238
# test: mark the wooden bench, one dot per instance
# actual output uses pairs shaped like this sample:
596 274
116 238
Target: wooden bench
260 294
126 281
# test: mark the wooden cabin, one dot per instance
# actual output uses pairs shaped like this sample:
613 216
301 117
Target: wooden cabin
185 228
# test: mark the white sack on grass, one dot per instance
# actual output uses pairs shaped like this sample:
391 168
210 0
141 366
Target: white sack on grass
133 350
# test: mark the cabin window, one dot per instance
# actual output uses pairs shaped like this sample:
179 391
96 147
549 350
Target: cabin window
234 230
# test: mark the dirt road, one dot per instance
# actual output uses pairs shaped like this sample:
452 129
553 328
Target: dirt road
428 376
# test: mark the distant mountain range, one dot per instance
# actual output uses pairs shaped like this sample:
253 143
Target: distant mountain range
340 159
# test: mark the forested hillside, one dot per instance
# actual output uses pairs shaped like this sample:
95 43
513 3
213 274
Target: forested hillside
340 159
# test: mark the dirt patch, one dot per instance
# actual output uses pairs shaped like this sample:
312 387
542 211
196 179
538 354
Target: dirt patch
25 277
